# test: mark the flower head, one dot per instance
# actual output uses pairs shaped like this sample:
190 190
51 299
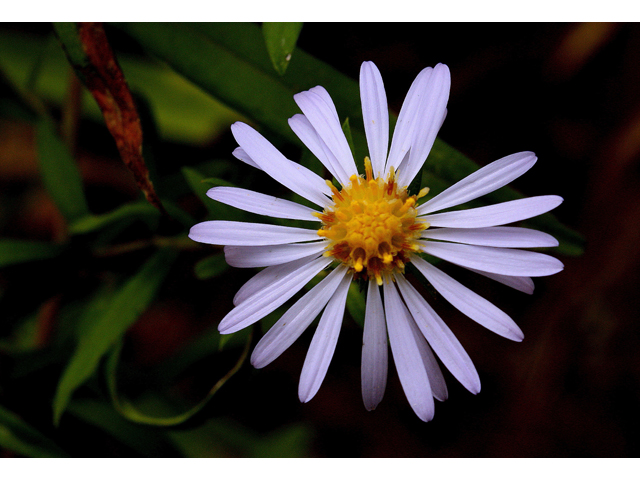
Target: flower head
370 228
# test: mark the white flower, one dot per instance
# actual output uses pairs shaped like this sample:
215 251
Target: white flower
369 229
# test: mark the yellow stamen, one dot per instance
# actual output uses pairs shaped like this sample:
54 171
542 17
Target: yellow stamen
372 226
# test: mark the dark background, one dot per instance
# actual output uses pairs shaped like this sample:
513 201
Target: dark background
568 92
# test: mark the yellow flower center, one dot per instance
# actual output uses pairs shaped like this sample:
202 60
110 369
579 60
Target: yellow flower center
372 225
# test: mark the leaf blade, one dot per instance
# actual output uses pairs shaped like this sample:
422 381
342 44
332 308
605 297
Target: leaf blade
19 251
280 39
121 313
60 173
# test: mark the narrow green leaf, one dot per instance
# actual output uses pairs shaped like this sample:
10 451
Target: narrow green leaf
211 267
67 33
130 412
236 82
19 251
146 441
346 128
200 185
280 39
195 180
18 436
60 173
127 304
129 211
356 304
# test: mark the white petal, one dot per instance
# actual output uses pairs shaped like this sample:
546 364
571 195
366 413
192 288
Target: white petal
263 279
292 175
486 180
323 118
403 132
504 261
374 349
241 155
322 92
440 337
469 303
271 297
375 114
506 237
268 255
223 232
261 204
323 343
436 379
523 284
428 120
498 214
407 356
308 135
295 321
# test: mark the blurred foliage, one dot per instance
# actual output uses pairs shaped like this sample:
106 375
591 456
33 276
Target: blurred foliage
113 267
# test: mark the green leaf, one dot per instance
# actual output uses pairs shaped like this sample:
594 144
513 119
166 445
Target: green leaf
211 267
127 304
280 39
67 32
145 440
133 414
227 438
129 211
20 251
356 304
239 84
60 173
200 185
346 128
18 436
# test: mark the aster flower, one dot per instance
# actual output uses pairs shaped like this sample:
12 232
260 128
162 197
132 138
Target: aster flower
370 228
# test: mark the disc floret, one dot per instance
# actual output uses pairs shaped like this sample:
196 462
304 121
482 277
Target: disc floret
372 225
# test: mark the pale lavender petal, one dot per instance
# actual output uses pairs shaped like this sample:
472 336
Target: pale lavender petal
493 215
436 378
292 175
269 275
504 261
440 337
486 180
523 284
407 356
506 237
323 344
261 204
375 114
431 111
374 349
268 255
322 92
321 115
223 232
469 302
241 155
272 296
308 135
295 320
403 132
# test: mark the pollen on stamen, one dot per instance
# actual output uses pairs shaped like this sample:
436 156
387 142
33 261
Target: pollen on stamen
372 226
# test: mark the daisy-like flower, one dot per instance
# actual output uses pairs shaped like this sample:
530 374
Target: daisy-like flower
370 229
